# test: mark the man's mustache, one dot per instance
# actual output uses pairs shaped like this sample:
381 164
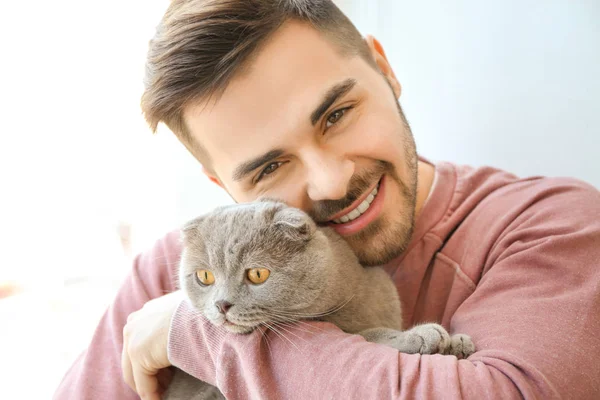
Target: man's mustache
323 210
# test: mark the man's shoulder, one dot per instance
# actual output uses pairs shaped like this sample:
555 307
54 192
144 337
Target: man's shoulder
495 193
491 208
556 197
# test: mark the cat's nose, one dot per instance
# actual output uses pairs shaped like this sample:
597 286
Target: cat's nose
223 306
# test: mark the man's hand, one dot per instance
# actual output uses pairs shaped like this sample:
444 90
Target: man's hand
145 338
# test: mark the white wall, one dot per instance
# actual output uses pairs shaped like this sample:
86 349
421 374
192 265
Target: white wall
513 84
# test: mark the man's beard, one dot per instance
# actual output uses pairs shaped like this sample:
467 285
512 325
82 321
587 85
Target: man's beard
382 240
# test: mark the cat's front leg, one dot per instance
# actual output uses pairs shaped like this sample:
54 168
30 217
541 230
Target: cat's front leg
422 339
461 346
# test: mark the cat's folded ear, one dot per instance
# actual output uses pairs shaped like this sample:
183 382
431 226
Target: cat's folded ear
190 230
295 224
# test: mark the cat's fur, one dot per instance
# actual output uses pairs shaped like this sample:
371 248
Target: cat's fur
313 273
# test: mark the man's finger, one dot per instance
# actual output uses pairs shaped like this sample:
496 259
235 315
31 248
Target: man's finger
126 368
146 385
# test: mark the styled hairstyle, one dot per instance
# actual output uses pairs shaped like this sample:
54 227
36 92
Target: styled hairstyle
200 45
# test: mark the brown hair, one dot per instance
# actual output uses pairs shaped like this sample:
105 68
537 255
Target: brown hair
201 44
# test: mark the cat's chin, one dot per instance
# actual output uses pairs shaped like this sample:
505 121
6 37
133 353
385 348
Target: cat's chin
237 328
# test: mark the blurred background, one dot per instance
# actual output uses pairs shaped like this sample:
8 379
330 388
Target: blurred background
85 185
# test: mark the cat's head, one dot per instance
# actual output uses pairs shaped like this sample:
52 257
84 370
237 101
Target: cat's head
250 264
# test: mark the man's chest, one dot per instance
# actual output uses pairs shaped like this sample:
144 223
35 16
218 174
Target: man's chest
431 286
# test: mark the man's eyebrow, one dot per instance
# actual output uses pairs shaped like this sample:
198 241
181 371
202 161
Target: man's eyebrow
330 97
246 168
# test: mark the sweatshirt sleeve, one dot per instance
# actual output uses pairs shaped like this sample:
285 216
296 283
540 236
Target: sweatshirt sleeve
534 318
97 374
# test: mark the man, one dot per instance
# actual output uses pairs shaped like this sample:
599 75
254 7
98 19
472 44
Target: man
285 99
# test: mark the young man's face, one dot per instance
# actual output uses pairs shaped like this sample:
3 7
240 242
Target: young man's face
320 131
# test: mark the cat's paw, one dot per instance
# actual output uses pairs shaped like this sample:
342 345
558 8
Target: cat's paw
431 339
461 346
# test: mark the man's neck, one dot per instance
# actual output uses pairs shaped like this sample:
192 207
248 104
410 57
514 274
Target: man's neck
425 176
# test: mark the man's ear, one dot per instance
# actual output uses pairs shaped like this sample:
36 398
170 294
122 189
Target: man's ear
382 62
213 178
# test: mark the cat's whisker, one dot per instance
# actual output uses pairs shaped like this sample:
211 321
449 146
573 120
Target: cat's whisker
287 308
265 336
338 308
294 322
293 314
289 331
270 327
281 334
294 307
318 314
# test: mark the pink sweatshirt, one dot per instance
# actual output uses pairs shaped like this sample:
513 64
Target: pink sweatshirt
514 263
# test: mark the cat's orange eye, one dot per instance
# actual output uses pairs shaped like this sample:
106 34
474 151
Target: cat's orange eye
205 277
258 275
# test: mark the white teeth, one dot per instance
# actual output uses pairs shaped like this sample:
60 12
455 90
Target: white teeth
354 214
363 207
358 211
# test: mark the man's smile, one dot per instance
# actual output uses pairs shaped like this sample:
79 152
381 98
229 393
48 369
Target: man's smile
360 213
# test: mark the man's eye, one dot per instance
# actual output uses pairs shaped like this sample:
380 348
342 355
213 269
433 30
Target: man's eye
269 169
335 116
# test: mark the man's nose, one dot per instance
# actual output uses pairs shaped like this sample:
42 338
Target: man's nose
328 177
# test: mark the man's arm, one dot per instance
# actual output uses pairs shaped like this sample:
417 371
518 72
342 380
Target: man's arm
534 318
97 373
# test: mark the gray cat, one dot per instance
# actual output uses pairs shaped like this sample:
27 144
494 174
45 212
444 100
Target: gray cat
260 264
